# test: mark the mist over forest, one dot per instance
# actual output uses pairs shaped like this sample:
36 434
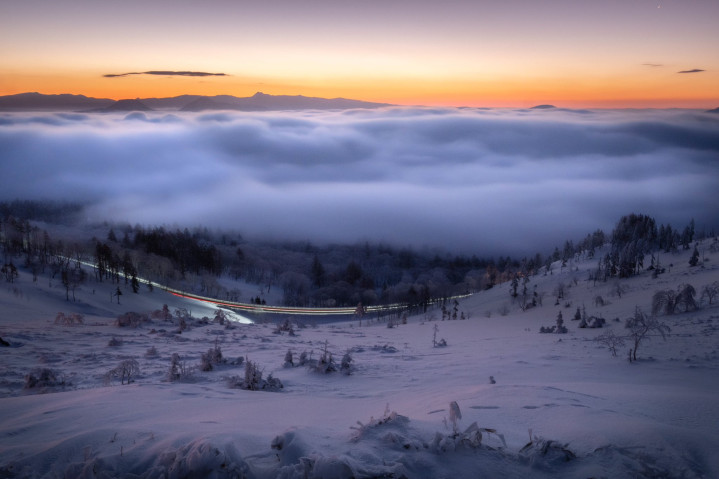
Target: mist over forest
53 236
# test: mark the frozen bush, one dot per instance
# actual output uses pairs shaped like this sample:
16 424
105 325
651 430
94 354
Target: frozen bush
70 319
285 326
669 301
151 352
178 369
126 370
115 342
325 364
253 380
471 438
304 359
42 378
559 328
163 313
437 344
220 316
212 357
346 364
289 360
545 452
131 320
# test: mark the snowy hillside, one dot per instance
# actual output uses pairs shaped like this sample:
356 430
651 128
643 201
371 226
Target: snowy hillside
527 404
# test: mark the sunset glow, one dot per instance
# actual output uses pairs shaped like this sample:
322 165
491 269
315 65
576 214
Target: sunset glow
509 53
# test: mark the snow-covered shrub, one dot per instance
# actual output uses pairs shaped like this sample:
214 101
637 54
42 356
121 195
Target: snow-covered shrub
253 380
220 316
437 344
304 359
595 322
541 453
346 364
151 352
212 357
669 301
454 415
115 342
42 378
471 438
325 364
289 360
69 319
559 328
195 459
163 313
178 369
388 417
285 326
131 320
126 370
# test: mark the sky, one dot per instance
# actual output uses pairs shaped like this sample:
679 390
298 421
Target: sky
476 181
495 53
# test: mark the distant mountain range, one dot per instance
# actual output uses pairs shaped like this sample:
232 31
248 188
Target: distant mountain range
258 102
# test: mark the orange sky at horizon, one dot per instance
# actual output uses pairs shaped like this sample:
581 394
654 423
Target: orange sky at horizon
515 53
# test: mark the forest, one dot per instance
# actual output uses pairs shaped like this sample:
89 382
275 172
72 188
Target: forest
213 263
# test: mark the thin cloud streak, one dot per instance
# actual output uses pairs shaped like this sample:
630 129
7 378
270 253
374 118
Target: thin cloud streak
694 70
166 73
484 182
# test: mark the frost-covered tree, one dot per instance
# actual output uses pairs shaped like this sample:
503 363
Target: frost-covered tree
346 364
641 327
669 301
289 360
126 370
710 291
611 341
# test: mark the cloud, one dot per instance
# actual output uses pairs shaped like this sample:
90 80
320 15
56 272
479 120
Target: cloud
166 73
654 65
479 181
695 70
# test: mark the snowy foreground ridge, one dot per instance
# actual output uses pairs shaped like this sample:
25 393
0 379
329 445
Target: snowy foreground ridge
82 397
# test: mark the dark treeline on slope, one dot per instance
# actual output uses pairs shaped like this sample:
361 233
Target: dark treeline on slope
47 211
306 274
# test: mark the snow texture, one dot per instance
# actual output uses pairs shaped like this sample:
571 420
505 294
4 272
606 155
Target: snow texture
555 405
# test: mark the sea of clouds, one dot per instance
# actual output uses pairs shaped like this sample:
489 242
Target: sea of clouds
478 181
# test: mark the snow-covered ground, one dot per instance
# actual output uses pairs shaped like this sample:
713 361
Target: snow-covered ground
588 413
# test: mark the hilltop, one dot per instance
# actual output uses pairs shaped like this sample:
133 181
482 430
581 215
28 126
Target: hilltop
425 396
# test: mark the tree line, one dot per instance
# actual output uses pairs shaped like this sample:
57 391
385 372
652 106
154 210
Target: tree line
306 274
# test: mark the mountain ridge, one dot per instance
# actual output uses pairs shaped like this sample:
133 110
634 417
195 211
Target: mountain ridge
34 101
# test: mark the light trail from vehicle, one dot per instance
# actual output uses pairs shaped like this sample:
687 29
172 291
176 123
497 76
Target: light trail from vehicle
280 310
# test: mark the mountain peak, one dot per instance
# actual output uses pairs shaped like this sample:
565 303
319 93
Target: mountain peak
126 105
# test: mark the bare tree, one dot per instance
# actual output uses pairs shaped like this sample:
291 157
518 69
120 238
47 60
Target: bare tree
610 340
710 291
640 327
